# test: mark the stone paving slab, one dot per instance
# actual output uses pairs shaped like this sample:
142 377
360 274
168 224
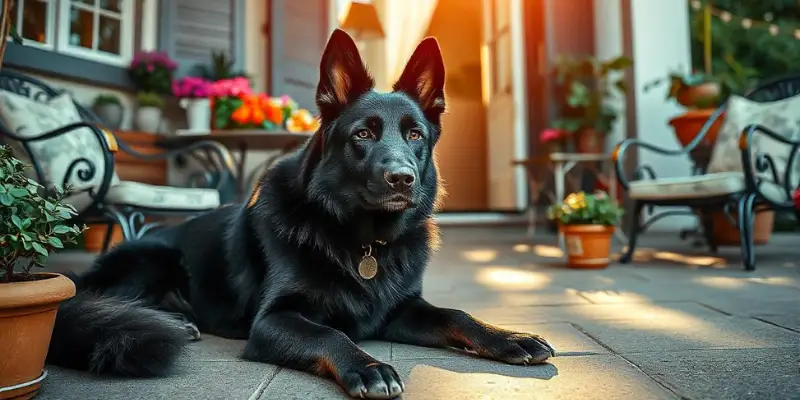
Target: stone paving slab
787 321
584 377
726 374
686 332
195 380
754 306
590 312
567 340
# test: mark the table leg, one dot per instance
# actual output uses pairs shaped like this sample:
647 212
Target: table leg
612 191
559 172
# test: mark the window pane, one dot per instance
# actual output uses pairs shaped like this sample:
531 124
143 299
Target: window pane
111 5
88 2
34 20
110 32
81 28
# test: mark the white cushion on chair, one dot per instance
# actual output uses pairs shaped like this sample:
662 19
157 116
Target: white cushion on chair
29 118
690 187
154 197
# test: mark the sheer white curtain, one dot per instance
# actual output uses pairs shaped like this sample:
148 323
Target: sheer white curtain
405 23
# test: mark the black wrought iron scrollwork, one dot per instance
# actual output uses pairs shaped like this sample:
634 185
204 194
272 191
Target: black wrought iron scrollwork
627 144
764 167
219 161
85 174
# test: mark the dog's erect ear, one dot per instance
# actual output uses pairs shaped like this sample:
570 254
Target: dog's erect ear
342 75
423 78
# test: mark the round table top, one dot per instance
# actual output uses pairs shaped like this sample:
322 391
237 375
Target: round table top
251 139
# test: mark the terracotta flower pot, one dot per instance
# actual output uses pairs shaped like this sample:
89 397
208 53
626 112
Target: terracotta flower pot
587 246
703 95
726 234
688 125
27 314
589 141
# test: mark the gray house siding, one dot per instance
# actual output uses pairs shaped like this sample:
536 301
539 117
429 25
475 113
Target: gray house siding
190 30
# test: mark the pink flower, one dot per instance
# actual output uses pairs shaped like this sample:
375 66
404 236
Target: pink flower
550 134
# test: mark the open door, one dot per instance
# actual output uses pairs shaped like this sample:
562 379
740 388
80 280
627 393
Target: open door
504 94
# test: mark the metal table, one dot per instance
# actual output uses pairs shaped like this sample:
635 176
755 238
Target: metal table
243 141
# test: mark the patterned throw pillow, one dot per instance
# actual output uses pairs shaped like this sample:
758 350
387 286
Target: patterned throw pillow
30 118
782 117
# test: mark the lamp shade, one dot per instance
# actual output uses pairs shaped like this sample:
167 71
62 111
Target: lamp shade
362 22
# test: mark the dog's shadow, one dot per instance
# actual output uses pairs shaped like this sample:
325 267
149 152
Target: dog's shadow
467 362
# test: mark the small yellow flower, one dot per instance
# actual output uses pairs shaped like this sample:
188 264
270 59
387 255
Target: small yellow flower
576 201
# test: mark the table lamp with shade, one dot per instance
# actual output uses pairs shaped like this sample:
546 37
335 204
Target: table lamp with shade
361 21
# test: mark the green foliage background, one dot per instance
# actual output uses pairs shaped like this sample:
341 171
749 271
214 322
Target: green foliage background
755 47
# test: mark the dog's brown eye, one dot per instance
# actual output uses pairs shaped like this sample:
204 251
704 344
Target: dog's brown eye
364 134
414 134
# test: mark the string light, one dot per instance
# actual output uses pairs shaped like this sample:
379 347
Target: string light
747 23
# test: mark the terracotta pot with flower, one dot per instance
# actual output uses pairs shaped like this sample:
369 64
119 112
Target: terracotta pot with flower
553 139
587 223
31 228
587 88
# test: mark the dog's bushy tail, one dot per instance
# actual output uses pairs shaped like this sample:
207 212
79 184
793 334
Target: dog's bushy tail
110 335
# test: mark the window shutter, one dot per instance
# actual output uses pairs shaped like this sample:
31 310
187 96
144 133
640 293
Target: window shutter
299 30
190 30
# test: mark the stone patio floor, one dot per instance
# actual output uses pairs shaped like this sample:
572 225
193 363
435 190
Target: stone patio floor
677 323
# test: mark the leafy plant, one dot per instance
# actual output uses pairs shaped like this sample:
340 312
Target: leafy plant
586 209
106 98
151 71
735 79
31 226
150 99
586 84
221 68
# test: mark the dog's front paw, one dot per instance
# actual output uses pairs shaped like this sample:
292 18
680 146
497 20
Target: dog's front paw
517 348
373 381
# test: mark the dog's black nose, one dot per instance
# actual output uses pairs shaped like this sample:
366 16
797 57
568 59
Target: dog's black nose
400 179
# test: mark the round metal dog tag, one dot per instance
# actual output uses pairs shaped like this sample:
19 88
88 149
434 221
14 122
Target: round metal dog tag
368 267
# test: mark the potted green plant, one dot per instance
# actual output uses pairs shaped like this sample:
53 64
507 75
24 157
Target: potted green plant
150 112
108 107
701 94
31 228
587 222
586 85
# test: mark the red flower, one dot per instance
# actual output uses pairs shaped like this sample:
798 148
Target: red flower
796 198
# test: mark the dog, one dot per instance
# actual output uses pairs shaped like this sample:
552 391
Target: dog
329 250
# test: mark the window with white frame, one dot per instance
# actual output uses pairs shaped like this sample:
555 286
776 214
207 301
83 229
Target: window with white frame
98 30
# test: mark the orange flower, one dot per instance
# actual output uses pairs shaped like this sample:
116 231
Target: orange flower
257 115
242 114
302 121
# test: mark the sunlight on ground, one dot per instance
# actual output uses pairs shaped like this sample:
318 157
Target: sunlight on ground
671 323
611 296
645 255
479 255
540 250
720 282
508 278
431 382
775 281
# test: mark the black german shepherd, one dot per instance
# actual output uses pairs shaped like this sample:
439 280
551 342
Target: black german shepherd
329 250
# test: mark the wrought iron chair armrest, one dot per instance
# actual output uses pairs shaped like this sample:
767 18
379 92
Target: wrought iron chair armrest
618 157
107 141
756 164
222 164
